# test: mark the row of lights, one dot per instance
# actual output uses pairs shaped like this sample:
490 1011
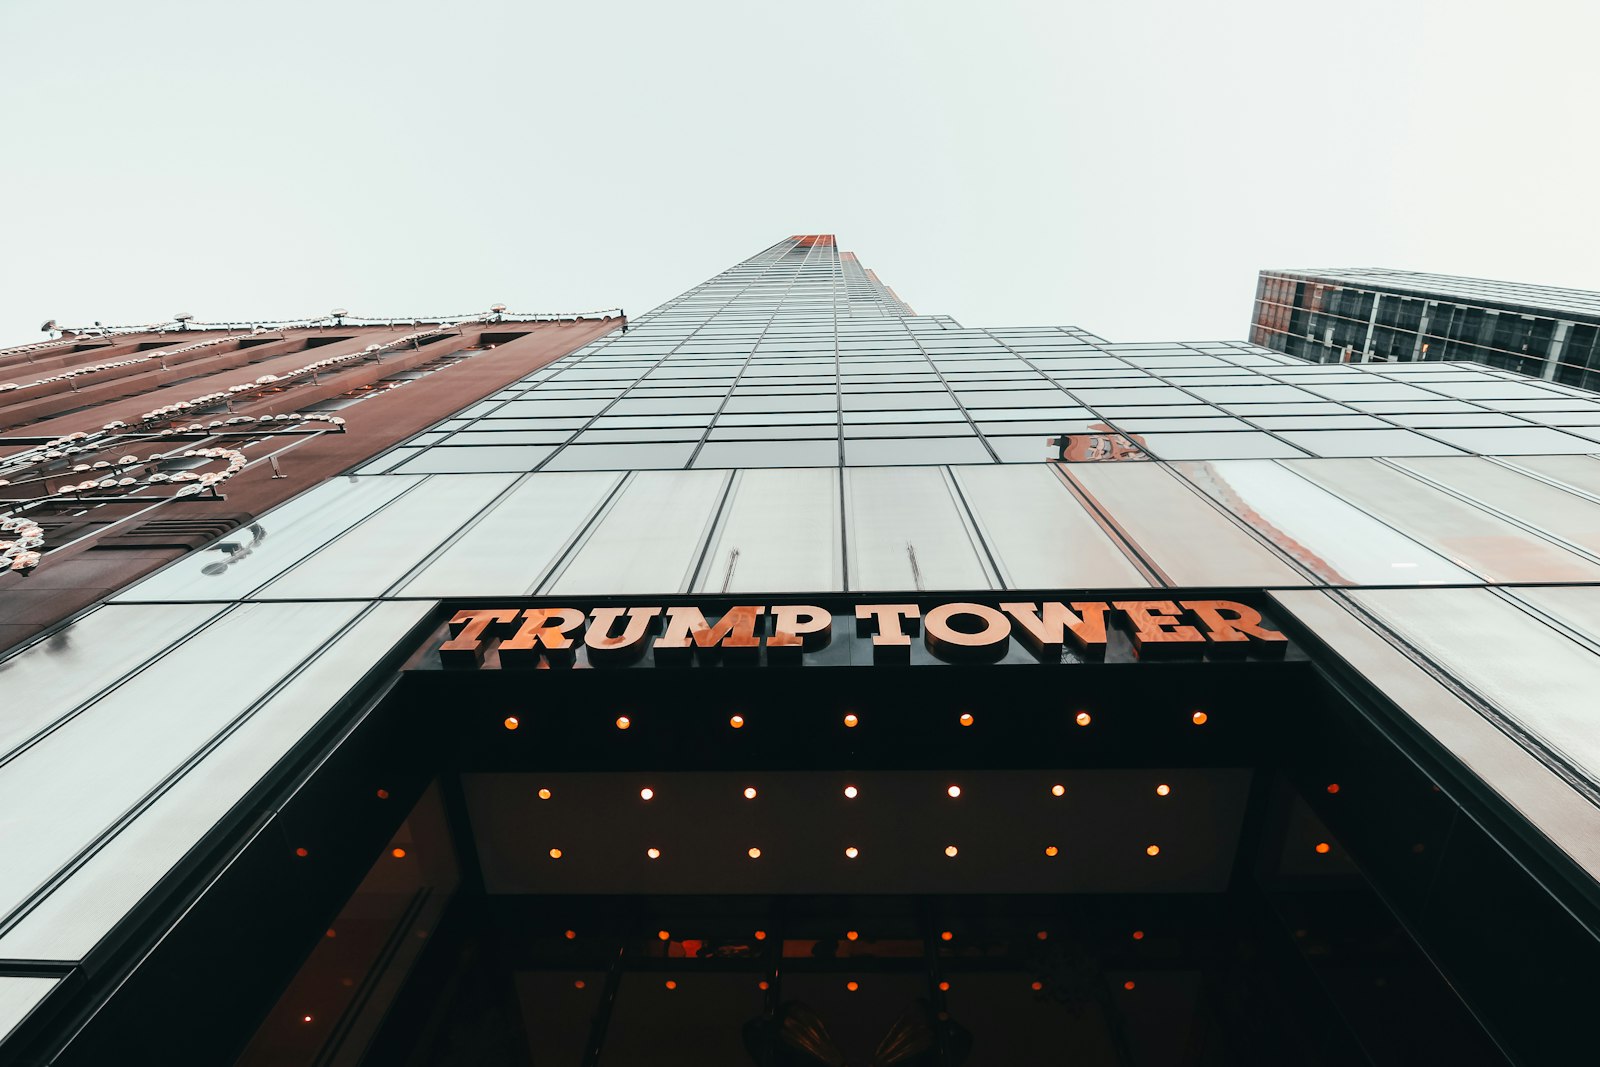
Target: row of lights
852 852
850 935
851 792
852 720
851 985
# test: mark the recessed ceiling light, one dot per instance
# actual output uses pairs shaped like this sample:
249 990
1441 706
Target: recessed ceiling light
1163 789
850 791
647 793
954 790
749 792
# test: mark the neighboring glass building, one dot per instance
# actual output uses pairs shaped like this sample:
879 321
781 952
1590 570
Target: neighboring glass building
1361 315
793 679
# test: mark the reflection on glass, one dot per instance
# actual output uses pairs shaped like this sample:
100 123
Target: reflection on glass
1101 444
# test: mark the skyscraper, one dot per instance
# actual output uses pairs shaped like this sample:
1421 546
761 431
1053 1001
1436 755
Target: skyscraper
1371 314
794 675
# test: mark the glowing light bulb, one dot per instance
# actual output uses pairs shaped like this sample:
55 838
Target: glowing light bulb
1199 718
1082 718
1058 790
544 794
1323 848
671 984
1128 984
623 722
555 853
653 853
850 792
398 853
851 935
647 793
571 935
1051 850
1163 789
755 853
851 721
947 935
852 852
951 850
749 792
966 718
663 935
954 790
512 723
1153 850
737 722
852 986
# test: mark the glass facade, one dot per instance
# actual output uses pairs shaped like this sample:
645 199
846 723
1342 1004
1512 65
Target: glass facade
255 752
1394 316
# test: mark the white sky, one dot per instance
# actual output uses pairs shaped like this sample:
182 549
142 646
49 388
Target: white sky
1122 166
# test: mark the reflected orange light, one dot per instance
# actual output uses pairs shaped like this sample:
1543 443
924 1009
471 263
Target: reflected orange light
398 853
1043 935
966 718
671 984
1153 850
951 850
761 935
1323 848
1128 984
332 932
1036 986
1333 787
555 853
851 935
1058 790
1163 789
852 852
1199 718
944 987
1138 935
749 792
851 721
623 722
1082 718
1051 850
647 793
737 722
383 794
305 1018
511 722
762 984
544 794
571 934
754 853
302 852
954 790
663 935
850 792
852 986
947 936
578 984
653 853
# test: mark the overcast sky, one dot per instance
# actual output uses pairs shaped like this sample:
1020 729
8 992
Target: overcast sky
1122 166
